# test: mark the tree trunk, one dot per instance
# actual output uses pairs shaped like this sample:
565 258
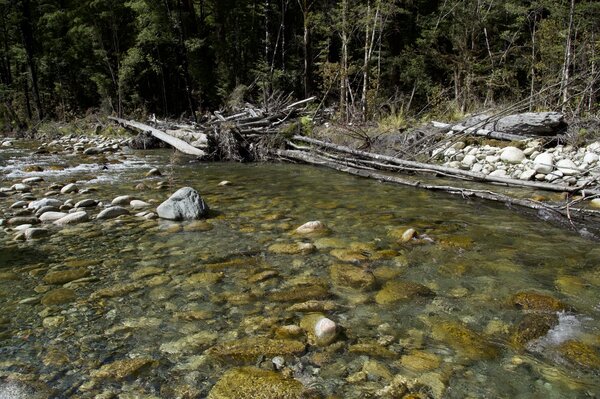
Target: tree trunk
28 42
564 82
305 7
344 111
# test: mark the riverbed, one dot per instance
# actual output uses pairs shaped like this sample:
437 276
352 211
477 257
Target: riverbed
479 302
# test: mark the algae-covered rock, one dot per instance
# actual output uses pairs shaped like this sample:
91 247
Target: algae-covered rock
372 349
313 306
58 296
533 326
122 369
351 276
118 290
255 383
397 291
420 361
581 354
537 301
292 248
464 340
205 278
64 276
300 293
349 255
248 349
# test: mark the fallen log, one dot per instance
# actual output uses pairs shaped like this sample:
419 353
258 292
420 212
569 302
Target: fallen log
159 134
416 166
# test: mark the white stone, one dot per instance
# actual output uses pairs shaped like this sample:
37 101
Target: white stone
567 167
311 227
512 155
52 216
72 218
224 183
544 163
469 160
137 204
595 146
459 145
21 187
595 202
69 188
477 167
325 331
499 173
29 180
557 174
590 157
122 200
492 158
112 212
527 175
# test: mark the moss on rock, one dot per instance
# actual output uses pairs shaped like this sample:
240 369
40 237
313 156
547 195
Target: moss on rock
255 383
248 349
351 276
537 301
397 291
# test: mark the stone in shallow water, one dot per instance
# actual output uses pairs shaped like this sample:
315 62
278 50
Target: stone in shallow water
122 369
249 349
58 296
533 326
420 361
351 276
537 301
146 271
205 278
581 354
52 216
33 233
122 200
292 249
112 212
255 383
69 188
349 255
300 293
191 343
372 349
397 291
72 218
64 276
313 227
464 340
184 204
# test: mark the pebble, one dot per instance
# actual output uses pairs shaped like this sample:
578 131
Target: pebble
69 188
86 203
72 218
112 212
137 204
122 200
325 331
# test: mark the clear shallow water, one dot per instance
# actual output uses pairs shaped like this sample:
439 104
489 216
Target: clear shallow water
169 291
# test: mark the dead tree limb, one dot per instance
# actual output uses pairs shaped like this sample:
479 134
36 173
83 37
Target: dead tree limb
418 166
159 134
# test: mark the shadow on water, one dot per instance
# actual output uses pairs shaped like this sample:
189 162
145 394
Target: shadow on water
16 256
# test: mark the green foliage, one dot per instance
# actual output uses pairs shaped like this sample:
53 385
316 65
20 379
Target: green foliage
173 57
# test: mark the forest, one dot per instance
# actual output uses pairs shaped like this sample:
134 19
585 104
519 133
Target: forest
364 59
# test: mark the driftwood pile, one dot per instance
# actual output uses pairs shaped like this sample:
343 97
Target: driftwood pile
243 135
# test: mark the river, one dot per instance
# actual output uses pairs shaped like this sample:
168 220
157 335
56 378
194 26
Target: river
483 302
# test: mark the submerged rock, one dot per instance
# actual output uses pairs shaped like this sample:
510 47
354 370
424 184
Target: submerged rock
58 296
351 276
420 361
122 369
255 383
65 276
397 291
464 340
249 349
581 354
300 293
539 302
184 204
533 326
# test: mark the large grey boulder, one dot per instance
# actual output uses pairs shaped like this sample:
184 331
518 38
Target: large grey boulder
184 204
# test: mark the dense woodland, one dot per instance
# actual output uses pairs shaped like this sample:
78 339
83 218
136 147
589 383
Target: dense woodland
365 59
